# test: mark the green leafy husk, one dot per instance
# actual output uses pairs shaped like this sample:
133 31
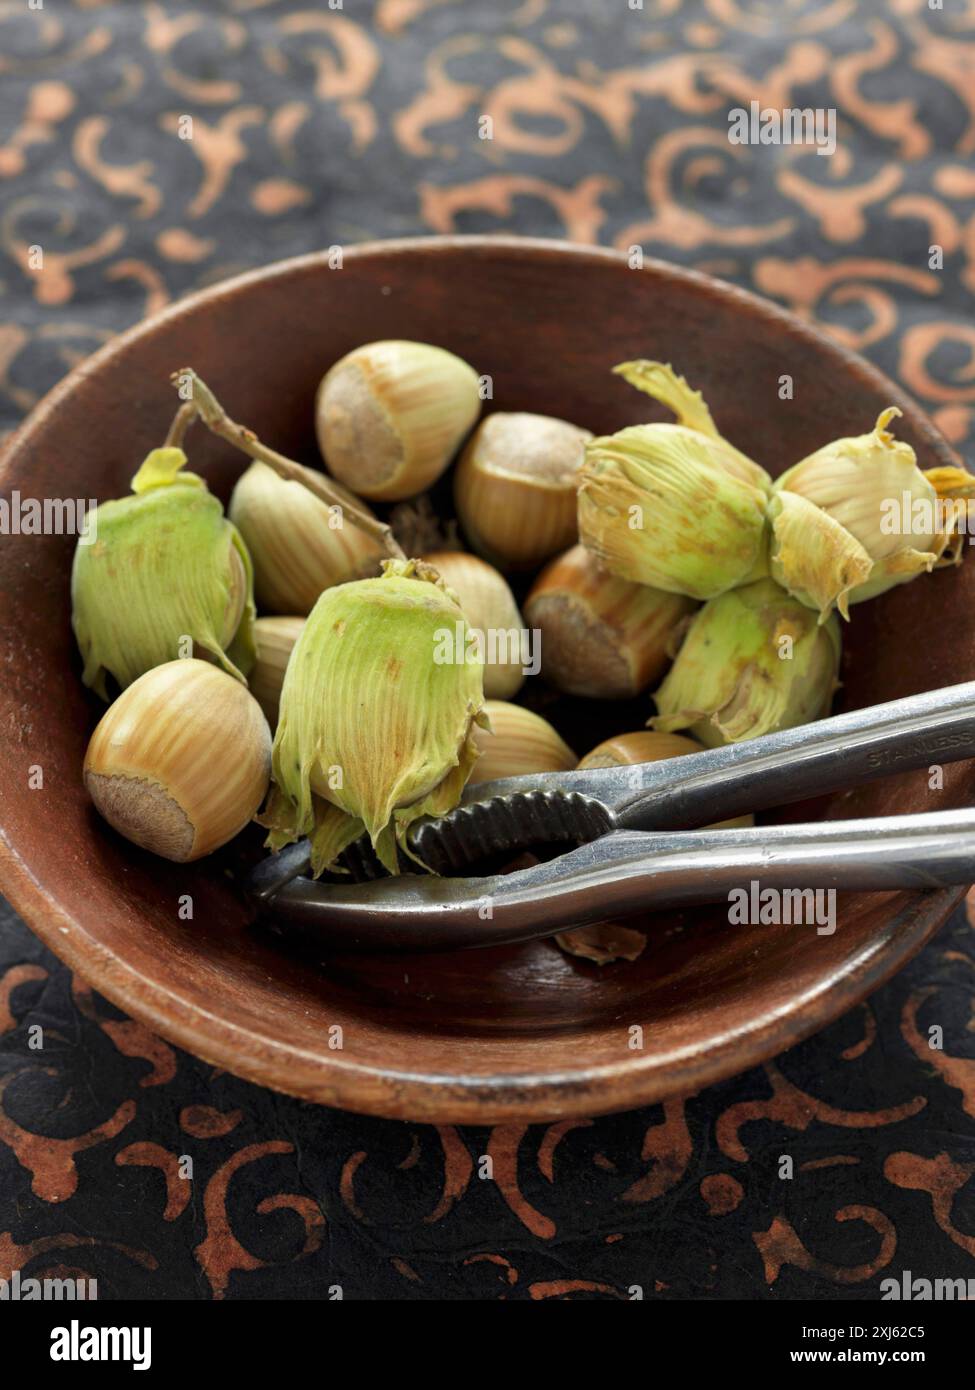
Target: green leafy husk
161 568
837 545
674 506
374 732
753 661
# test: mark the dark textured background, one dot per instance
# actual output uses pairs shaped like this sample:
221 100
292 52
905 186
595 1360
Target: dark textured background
315 127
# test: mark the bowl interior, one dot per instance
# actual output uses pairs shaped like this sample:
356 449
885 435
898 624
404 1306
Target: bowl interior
515 1032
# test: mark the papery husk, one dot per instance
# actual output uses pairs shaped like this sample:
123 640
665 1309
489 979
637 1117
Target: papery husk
703 524
955 489
165 566
706 531
816 559
330 829
363 694
853 483
729 682
659 380
603 943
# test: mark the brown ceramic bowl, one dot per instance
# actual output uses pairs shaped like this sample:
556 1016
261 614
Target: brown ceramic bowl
521 1033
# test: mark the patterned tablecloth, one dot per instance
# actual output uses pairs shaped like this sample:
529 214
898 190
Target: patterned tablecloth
314 126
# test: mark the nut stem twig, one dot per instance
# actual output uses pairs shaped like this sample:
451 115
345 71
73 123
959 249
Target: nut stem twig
203 405
182 420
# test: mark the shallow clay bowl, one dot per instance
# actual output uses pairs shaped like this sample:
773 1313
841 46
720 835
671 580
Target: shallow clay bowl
521 1033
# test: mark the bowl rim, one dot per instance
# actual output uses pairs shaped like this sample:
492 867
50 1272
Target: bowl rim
531 1097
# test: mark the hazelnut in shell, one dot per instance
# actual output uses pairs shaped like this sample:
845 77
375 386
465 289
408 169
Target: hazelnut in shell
515 487
390 416
518 742
490 609
181 761
645 746
601 637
